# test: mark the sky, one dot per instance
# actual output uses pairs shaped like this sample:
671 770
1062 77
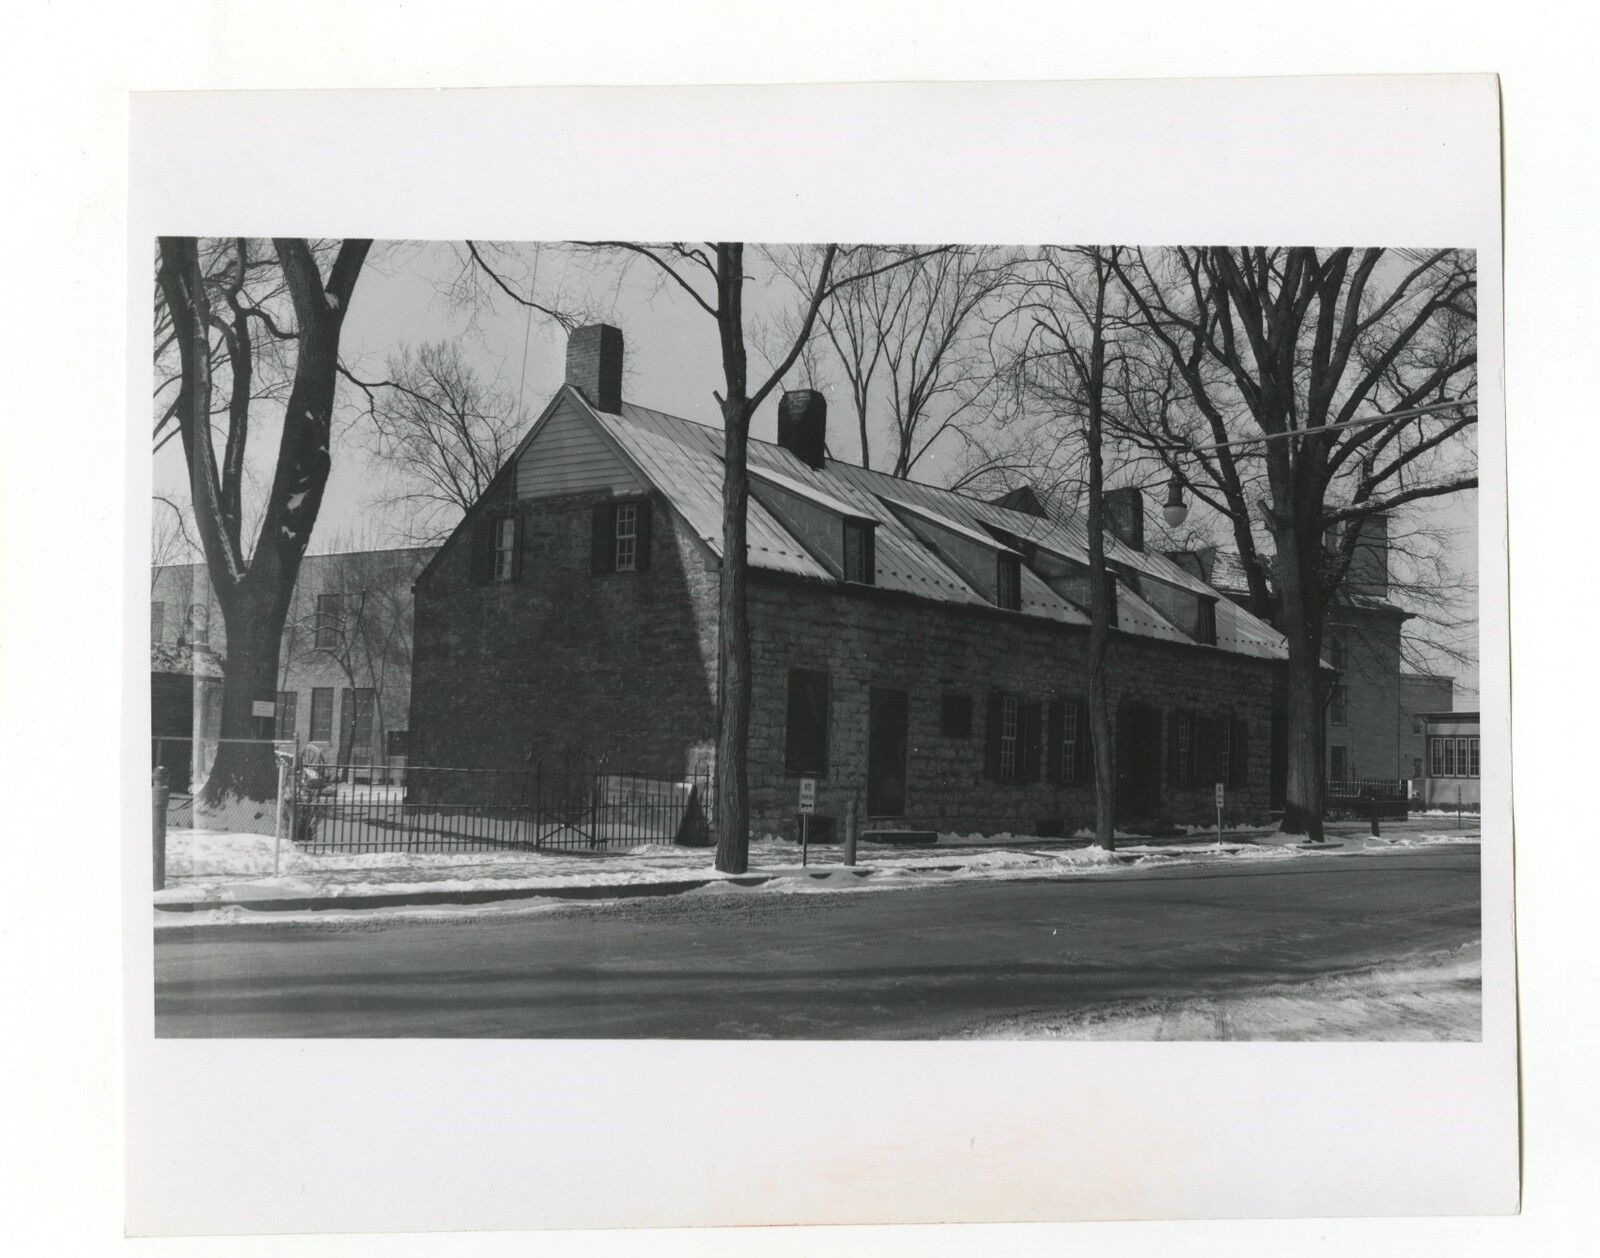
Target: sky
408 293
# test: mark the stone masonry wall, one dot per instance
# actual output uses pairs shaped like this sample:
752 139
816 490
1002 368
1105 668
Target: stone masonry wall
865 639
564 661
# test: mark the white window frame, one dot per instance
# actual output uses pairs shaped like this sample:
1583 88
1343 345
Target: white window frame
625 536
1010 735
1069 739
505 547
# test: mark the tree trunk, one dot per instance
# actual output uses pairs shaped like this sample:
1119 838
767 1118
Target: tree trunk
734 668
244 766
1300 622
1105 780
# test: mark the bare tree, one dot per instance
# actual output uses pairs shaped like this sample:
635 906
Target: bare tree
1070 327
170 539
910 343
1268 364
441 432
212 294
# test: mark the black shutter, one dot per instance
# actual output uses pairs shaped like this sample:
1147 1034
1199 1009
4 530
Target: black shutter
347 723
482 549
1055 770
1083 755
642 555
991 739
602 549
1175 766
1239 770
1028 722
519 530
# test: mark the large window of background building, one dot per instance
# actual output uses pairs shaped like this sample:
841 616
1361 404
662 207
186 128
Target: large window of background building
1339 695
330 621
322 714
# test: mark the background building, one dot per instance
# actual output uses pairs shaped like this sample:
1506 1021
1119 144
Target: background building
344 666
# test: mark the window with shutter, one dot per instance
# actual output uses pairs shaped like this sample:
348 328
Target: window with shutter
322 714
1239 753
806 733
330 621
1008 582
504 567
1030 742
860 565
991 736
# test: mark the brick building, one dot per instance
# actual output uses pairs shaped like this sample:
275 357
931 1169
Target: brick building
918 649
344 664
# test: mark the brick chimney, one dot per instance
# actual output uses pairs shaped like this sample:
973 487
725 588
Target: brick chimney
594 365
803 425
1124 516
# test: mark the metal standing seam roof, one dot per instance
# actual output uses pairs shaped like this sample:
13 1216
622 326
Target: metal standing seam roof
684 461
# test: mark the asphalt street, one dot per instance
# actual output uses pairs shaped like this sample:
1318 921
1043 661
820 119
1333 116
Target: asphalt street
729 963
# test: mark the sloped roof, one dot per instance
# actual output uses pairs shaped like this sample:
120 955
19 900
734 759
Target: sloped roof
683 459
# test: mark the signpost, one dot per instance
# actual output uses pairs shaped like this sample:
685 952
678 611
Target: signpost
1219 814
808 805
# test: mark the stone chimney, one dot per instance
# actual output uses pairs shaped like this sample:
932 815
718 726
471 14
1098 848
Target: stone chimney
1124 516
803 425
594 365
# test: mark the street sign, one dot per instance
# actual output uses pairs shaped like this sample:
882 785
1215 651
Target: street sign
808 794
1219 794
263 708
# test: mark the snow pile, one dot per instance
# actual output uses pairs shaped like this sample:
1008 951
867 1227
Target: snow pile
198 853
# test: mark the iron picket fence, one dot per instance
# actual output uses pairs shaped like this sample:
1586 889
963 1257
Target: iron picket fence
1387 797
433 809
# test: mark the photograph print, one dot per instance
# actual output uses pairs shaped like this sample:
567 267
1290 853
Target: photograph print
722 641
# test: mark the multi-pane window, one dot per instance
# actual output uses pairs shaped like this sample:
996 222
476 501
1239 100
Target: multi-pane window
1185 749
806 733
322 714
1224 750
199 624
330 621
1010 736
1008 582
859 563
621 536
158 621
625 537
1472 749
505 548
287 701
1067 747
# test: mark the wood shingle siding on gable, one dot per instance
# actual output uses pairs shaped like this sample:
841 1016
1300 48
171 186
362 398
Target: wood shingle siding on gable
569 456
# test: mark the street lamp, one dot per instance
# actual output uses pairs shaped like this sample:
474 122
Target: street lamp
1176 510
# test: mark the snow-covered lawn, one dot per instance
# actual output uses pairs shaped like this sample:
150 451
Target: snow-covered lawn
1424 998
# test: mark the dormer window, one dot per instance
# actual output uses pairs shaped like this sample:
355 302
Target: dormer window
1008 582
860 564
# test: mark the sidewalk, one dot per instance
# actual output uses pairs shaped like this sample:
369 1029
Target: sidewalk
228 877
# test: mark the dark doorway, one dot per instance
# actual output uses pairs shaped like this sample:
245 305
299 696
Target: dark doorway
886 753
1138 762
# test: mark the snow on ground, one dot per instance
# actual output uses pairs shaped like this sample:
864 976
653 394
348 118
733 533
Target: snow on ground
224 869
1436 997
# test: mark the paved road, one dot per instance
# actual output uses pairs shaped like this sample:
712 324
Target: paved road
892 964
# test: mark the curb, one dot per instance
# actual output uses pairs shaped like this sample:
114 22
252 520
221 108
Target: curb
398 899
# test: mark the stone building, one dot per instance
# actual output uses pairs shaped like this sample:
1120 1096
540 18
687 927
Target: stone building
920 650
344 664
